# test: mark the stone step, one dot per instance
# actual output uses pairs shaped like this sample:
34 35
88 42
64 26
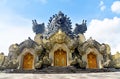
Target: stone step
62 70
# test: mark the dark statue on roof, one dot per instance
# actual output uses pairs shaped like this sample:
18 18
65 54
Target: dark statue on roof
80 28
56 22
38 28
59 21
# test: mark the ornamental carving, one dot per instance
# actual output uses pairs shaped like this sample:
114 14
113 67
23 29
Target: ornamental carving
58 45
59 37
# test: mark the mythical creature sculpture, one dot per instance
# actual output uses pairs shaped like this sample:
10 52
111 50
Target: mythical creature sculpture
59 21
108 62
13 51
38 28
38 49
2 59
78 63
46 61
10 64
11 61
38 64
80 28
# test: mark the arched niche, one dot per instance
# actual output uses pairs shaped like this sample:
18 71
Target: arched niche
92 60
28 60
60 58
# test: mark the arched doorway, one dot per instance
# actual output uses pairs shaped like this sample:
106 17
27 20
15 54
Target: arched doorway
92 60
28 61
60 58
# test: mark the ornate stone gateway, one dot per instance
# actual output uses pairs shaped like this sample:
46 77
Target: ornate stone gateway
28 61
60 58
92 60
58 44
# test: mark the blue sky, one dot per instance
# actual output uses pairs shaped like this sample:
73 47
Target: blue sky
103 19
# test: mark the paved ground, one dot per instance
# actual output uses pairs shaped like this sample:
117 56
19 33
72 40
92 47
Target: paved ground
106 75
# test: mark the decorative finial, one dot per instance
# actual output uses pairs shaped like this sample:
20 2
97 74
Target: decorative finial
60 13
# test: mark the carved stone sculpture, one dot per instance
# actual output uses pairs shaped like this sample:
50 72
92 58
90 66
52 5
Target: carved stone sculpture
38 28
59 21
38 64
13 51
46 61
2 59
78 63
80 28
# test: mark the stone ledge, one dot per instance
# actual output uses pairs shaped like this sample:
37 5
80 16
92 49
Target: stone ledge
55 70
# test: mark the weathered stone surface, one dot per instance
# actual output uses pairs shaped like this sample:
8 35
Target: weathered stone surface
2 59
116 60
38 65
13 51
71 47
38 39
29 43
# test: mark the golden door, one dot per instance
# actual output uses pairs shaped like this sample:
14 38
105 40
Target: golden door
28 61
92 60
60 58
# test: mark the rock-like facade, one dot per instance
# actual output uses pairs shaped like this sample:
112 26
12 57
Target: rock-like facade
57 45
116 59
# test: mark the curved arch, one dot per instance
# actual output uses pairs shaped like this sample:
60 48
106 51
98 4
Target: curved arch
60 47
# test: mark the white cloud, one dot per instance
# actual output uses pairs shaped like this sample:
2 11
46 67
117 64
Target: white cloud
105 31
102 6
13 29
116 7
